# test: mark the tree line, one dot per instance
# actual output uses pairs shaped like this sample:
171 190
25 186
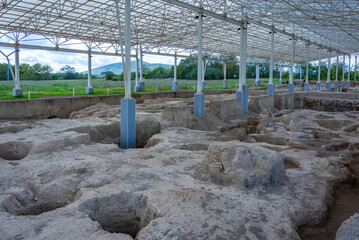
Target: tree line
41 72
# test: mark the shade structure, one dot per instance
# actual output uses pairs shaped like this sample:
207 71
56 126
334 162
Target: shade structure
169 26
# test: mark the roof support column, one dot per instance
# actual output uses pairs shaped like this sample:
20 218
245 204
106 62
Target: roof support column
242 92
128 104
17 91
291 84
136 74
355 68
306 84
280 75
224 85
175 83
257 83
328 85
348 83
203 83
300 71
336 83
141 84
343 70
89 89
319 84
199 96
270 86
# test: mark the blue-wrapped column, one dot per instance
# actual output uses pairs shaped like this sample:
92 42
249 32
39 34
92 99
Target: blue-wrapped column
306 87
318 86
89 90
224 85
174 86
270 89
328 86
128 123
291 88
198 106
17 92
348 83
336 83
141 87
243 96
203 85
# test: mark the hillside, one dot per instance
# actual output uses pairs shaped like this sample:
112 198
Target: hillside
117 67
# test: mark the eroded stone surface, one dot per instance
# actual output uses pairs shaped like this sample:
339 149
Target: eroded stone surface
75 170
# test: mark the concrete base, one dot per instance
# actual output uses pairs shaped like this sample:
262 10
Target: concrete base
306 87
90 90
336 83
17 93
318 86
280 82
141 87
348 84
224 85
203 85
257 83
198 107
244 98
291 88
328 86
270 89
174 86
128 123
343 83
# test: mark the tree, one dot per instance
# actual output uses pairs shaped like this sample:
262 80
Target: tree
109 75
68 72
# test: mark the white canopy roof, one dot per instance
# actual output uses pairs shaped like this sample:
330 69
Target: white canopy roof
169 26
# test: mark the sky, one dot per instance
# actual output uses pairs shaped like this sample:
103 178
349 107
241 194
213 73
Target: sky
79 61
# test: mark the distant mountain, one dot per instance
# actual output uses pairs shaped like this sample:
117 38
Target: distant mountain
117 67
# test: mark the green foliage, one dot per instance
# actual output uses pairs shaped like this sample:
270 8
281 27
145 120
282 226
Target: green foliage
109 75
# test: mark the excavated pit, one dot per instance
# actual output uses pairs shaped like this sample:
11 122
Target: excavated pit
14 150
122 212
33 202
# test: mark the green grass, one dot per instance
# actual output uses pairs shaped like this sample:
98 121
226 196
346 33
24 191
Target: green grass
65 87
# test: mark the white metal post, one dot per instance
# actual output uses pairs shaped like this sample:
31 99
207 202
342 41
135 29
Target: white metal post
343 68
243 57
319 64
175 69
349 69
203 69
292 61
136 76
257 73
17 66
225 71
141 65
355 68
337 72
199 69
307 63
328 74
89 84
128 48
300 71
271 59
280 75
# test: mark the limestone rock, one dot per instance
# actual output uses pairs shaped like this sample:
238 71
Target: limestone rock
295 126
266 120
244 166
349 230
100 110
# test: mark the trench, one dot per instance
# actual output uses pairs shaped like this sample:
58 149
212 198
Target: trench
345 204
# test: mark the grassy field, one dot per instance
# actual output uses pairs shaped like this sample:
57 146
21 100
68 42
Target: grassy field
65 87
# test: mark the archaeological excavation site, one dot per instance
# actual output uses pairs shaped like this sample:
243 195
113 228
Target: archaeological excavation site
253 134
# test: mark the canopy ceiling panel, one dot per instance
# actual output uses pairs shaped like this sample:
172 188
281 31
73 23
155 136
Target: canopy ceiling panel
172 24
